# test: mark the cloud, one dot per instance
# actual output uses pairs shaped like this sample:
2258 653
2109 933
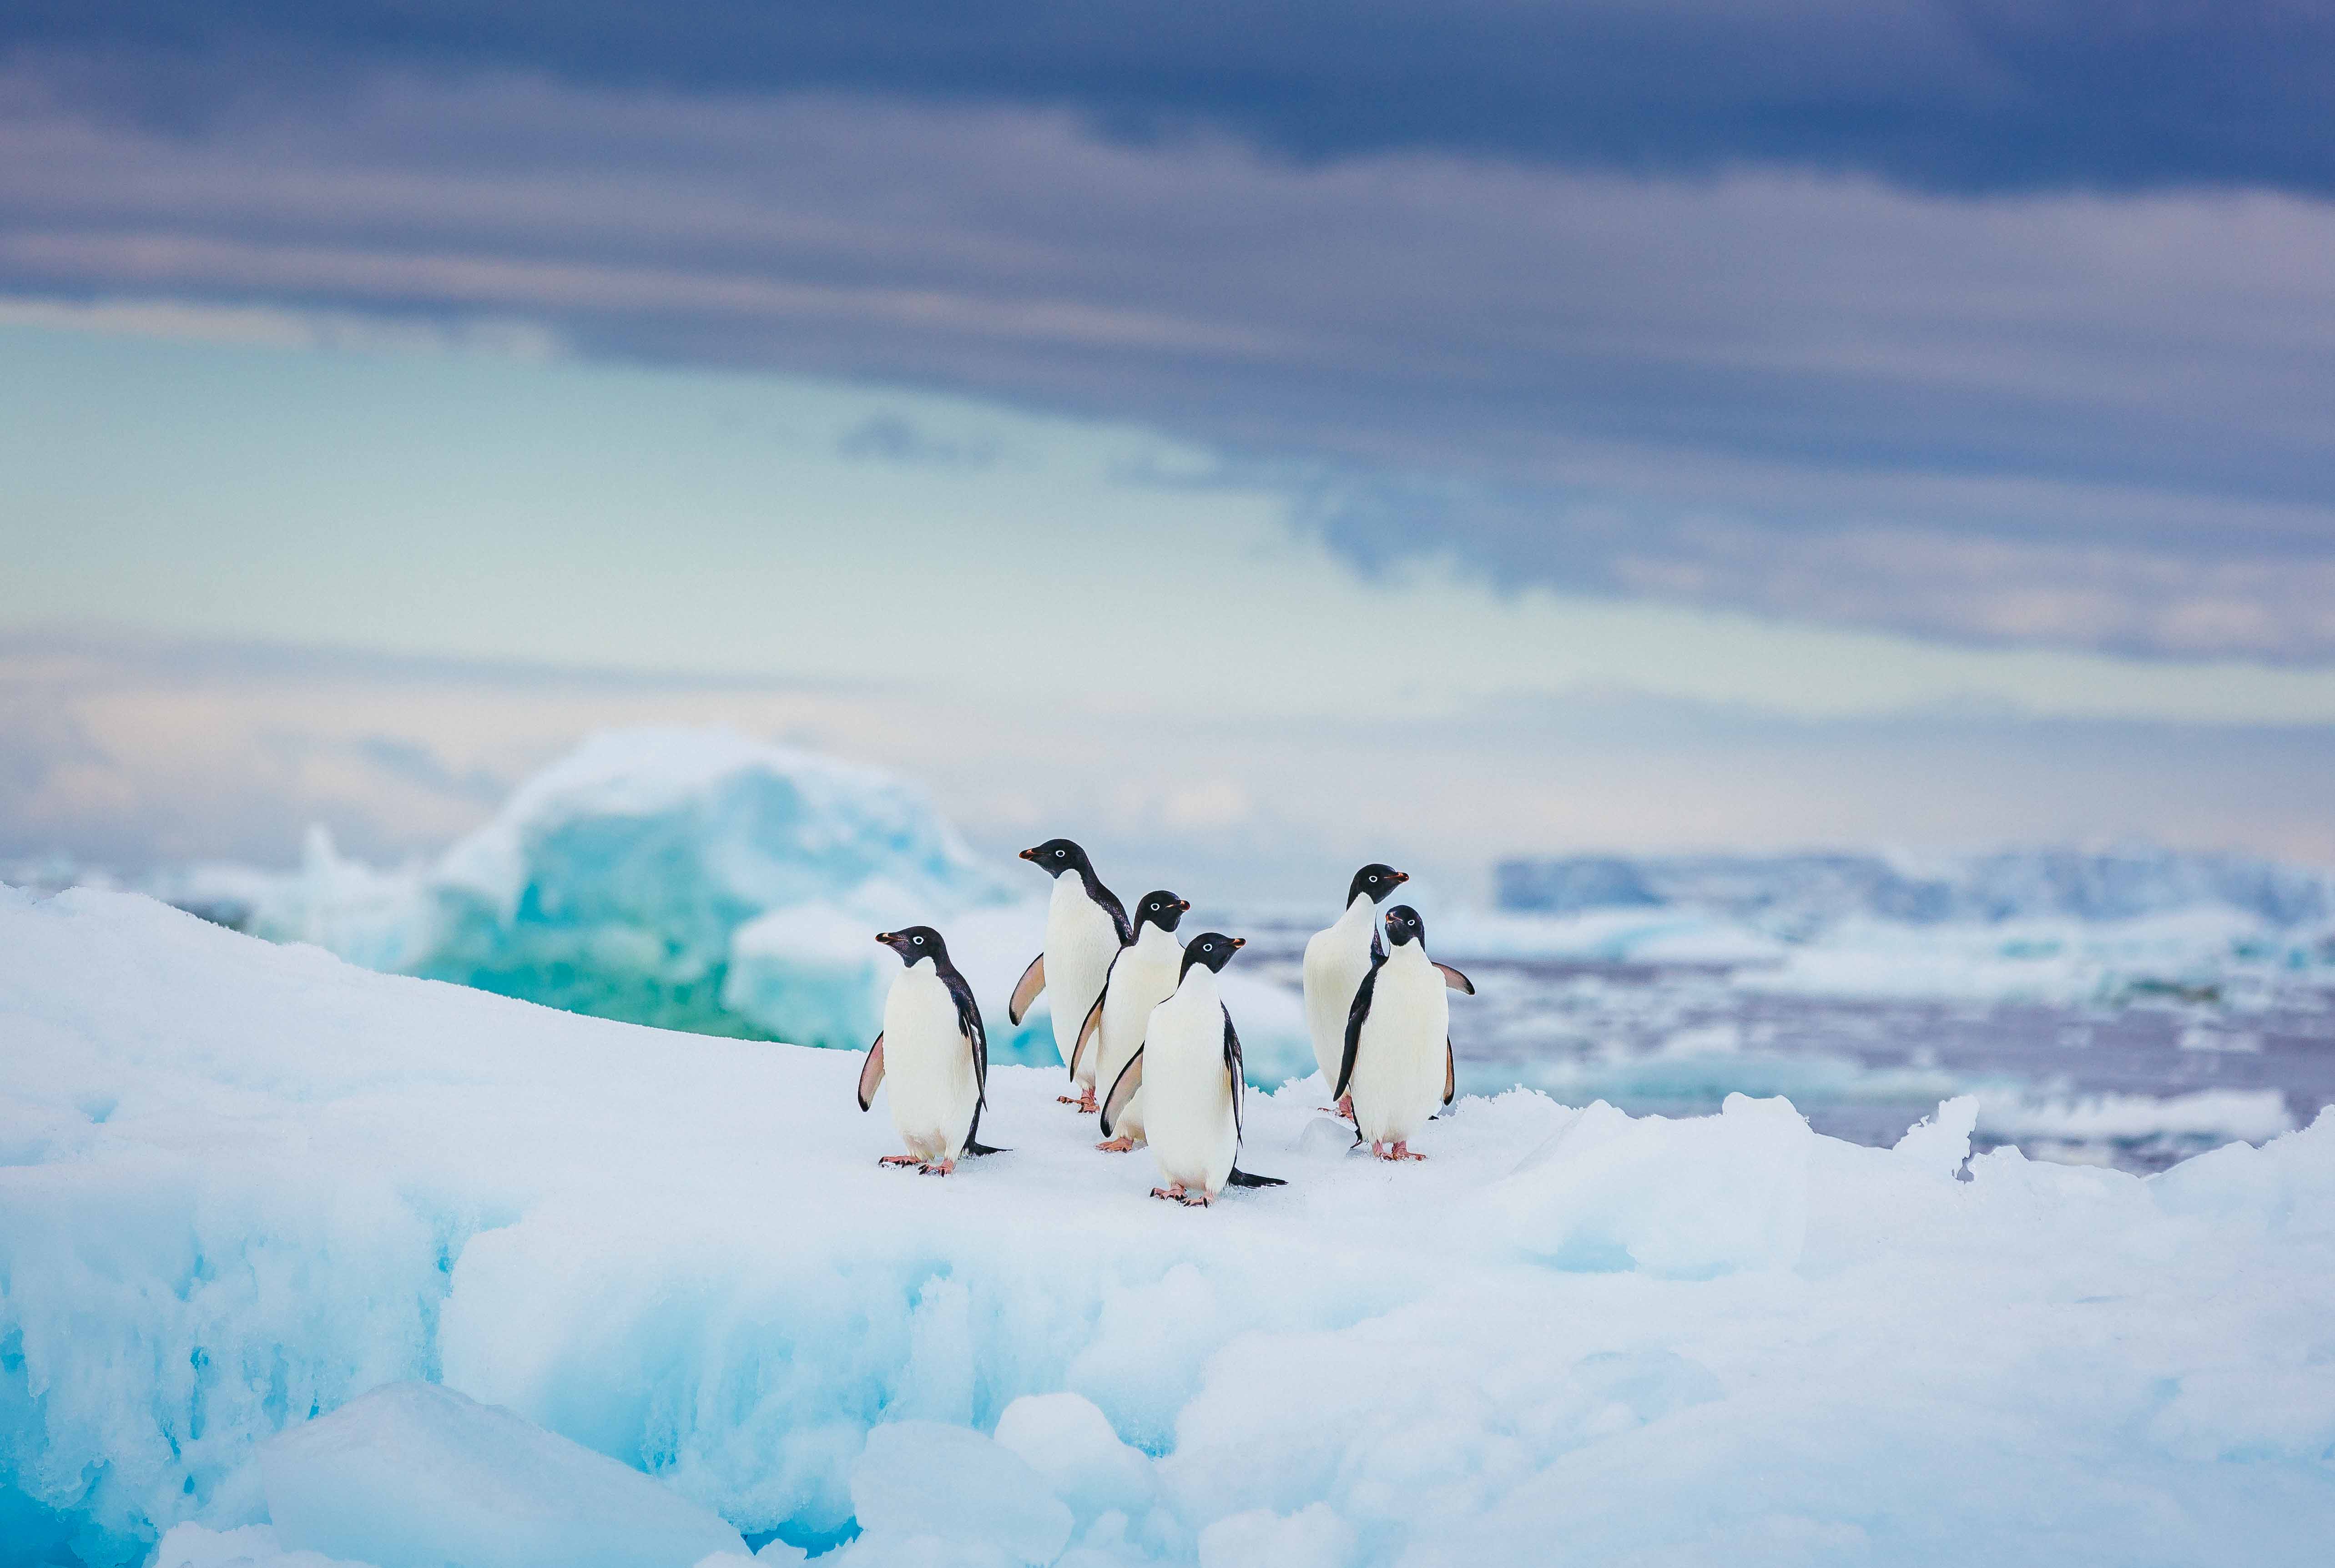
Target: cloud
1952 94
2063 416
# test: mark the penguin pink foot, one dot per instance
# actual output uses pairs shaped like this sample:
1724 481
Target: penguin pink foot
1176 1192
936 1167
1196 1200
1399 1150
1085 1101
1119 1144
899 1159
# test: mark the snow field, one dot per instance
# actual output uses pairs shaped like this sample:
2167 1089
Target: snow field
242 1185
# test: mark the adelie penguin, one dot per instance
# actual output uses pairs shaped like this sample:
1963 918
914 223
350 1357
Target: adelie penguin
1397 1064
1336 960
1142 976
1086 925
934 1053
1188 1069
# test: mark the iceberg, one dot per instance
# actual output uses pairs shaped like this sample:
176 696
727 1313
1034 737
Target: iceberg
245 1188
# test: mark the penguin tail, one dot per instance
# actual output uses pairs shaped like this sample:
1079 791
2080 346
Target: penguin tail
1241 1179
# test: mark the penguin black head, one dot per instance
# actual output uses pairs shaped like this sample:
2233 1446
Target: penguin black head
1403 925
1377 880
914 943
1056 856
1161 908
1212 948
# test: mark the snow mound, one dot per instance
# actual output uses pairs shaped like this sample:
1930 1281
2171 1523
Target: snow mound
246 1186
414 1476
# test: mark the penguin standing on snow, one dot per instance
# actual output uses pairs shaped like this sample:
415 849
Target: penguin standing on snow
1142 976
1336 960
936 1053
1086 927
1398 1065
1189 1068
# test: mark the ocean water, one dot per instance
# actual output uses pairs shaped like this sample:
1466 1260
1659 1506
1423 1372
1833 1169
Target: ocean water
2137 1080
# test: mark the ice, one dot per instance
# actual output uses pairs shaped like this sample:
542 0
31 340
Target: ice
924 1480
414 1476
248 1185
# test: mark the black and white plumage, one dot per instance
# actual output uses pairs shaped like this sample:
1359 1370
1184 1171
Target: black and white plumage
1189 1071
1086 925
1398 1063
933 1053
1143 975
1336 960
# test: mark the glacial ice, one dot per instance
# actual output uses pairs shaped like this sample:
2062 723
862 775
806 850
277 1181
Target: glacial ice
242 1187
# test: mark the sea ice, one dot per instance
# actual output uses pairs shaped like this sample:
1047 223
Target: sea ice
248 1185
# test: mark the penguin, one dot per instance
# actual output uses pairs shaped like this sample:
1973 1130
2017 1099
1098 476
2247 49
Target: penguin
1192 1084
1336 960
1142 976
936 1052
1086 925
1397 1065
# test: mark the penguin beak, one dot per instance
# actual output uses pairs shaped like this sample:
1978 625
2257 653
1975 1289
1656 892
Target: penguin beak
1028 854
884 937
1240 942
1401 877
1184 904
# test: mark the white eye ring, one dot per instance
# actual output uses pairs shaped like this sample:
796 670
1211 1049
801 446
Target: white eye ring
920 942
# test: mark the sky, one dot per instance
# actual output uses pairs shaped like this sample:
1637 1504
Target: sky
1261 432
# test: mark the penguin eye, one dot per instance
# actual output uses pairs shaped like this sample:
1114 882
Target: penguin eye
1060 853
920 942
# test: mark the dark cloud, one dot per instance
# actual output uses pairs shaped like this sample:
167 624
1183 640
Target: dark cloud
2064 417
1959 94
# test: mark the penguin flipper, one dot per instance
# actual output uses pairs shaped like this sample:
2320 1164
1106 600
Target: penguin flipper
1026 990
1131 1078
1450 1072
1354 1017
973 1143
1455 981
871 1073
1241 1179
1090 1034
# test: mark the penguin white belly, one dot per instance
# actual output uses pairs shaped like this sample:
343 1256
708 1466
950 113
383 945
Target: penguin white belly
1080 942
1336 961
927 1066
1144 978
1398 1061
1187 1092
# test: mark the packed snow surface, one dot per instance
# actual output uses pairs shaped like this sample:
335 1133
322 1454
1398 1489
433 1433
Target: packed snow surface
246 1186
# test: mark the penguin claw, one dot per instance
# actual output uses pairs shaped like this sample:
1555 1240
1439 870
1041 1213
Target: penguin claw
1085 1102
1196 1200
936 1167
1119 1144
1400 1151
900 1159
1174 1194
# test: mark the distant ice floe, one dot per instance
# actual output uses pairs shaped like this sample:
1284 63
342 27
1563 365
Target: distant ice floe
305 1263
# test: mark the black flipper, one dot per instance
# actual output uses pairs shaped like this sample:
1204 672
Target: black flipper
871 1073
1233 1064
1355 1015
976 1039
1131 1078
1241 1179
1026 990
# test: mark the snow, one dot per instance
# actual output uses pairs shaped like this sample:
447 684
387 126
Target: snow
414 1476
247 1186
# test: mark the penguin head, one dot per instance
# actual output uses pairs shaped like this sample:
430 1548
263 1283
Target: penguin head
1403 925
1212 949
914 943
1056 856
1161 908
1377 880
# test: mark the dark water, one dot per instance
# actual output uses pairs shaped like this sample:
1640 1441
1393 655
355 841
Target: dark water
2140 1085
